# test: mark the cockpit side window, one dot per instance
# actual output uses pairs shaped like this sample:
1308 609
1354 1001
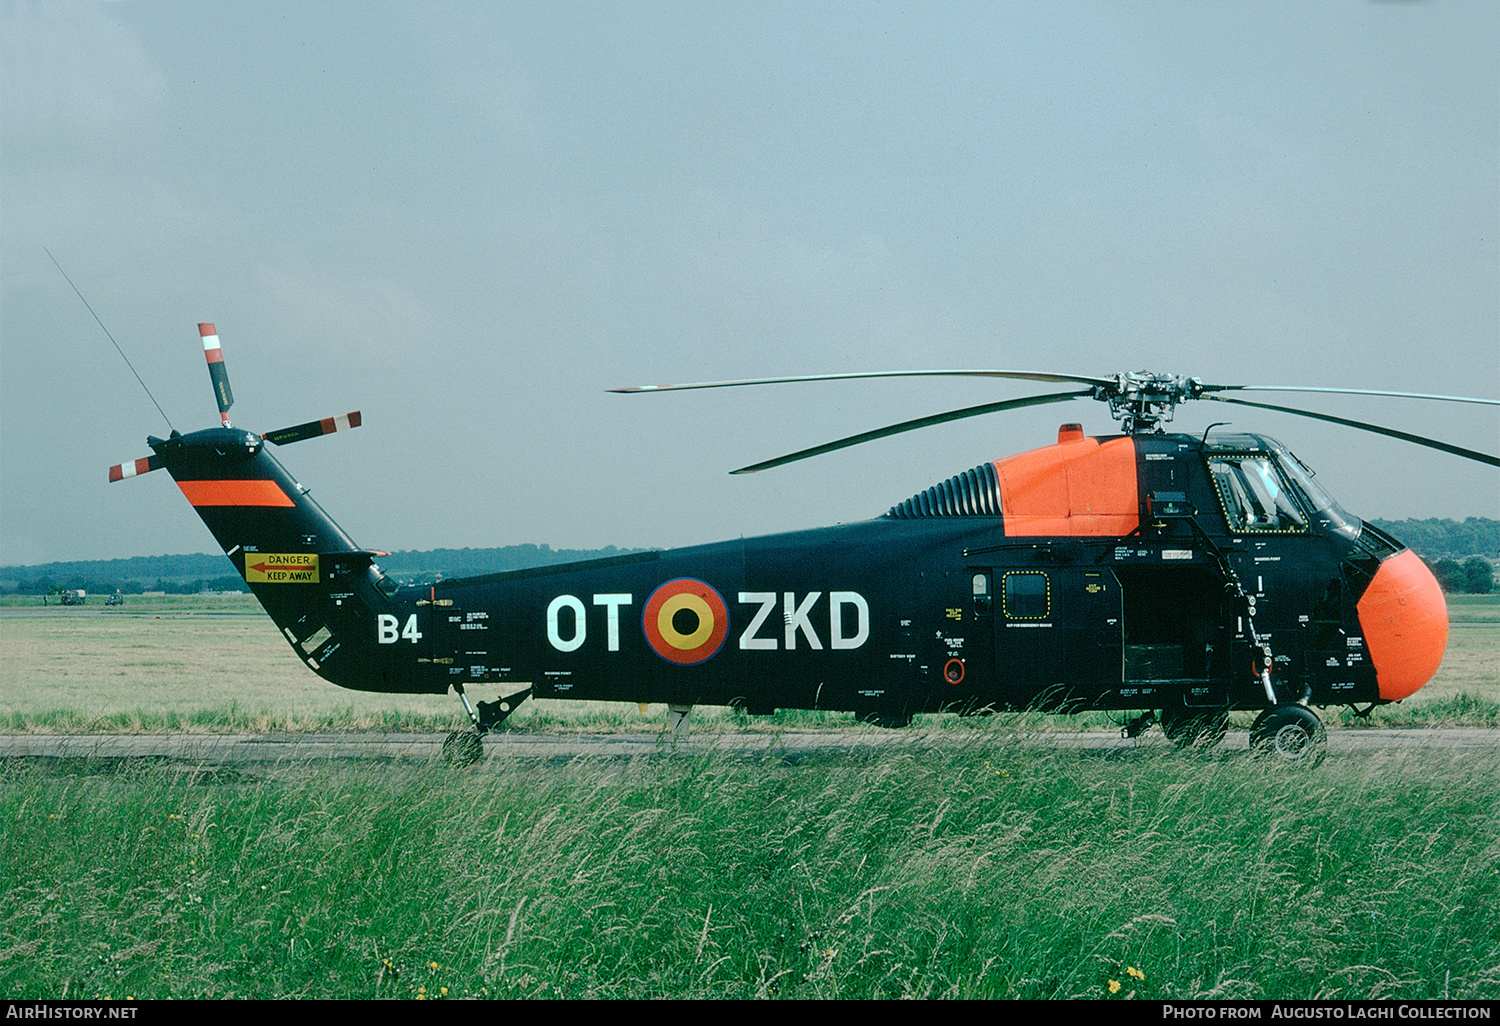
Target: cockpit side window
1324 509
1254 495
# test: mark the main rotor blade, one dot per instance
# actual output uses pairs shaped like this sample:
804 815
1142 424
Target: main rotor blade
313 429
912 425
217 373
1349 391
1470 454
1021 375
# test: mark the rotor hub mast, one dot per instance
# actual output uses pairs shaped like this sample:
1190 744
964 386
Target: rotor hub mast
1142 401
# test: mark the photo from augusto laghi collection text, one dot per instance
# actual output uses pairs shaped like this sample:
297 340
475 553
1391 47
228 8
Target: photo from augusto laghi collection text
1331 1010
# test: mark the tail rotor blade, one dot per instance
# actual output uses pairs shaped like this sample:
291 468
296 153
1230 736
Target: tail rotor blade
134 468
216 370
313 429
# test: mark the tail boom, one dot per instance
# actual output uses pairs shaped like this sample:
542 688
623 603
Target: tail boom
322 591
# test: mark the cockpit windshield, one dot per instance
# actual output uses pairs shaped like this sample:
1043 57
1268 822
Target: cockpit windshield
1254 495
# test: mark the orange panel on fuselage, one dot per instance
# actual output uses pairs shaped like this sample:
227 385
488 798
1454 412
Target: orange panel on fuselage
1073 489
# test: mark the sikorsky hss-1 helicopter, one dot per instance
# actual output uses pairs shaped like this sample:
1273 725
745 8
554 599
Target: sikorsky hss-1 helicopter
1173 576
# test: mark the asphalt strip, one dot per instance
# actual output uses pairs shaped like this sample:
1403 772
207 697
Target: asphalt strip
251 749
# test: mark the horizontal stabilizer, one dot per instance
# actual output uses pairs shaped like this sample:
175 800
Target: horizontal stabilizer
313 429
146 464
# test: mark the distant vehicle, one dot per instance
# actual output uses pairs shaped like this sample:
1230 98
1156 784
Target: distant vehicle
115 600
74 597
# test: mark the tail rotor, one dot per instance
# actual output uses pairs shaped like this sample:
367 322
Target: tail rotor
219 375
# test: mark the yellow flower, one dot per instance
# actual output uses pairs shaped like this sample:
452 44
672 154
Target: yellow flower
1114 986
1131 970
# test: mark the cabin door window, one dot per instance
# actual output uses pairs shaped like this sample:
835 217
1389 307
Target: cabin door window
1028 597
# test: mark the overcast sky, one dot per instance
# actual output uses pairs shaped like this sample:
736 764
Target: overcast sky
468 220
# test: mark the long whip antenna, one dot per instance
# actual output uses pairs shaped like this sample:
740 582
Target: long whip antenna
111 338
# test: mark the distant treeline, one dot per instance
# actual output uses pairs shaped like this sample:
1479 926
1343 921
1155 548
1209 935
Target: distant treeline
473 562
1434 540
1437 539
1475 575
196 572
147 569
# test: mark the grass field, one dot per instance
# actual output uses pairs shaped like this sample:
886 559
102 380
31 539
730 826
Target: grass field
1473 608
993 869
182 663
990 867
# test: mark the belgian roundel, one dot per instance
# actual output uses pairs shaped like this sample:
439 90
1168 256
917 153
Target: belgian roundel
685 621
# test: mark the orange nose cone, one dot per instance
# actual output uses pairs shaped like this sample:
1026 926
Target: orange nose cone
1405 621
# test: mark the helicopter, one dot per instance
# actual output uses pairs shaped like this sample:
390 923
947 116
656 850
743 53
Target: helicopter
1168 576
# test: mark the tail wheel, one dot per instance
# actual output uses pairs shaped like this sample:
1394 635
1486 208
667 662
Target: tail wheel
1194 728
463 748
1291 733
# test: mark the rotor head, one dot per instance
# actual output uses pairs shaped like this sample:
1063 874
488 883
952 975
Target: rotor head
1143 401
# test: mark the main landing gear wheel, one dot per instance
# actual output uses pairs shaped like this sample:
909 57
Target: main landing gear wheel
881 718
1194 728
1291 733
463 748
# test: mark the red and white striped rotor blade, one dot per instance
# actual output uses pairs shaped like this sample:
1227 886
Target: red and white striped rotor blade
134 468
217 372
313 429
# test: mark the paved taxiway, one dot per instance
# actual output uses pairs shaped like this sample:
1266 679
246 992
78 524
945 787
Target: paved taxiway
253 749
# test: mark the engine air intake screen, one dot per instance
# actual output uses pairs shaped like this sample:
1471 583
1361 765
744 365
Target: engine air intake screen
974 493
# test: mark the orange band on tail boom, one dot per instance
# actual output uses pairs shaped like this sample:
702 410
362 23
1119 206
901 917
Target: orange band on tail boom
234 493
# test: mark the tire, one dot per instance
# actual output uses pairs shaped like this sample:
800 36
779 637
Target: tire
463 748
1290 733
891 720
1194 728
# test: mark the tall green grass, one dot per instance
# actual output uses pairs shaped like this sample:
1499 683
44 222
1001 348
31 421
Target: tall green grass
993 869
